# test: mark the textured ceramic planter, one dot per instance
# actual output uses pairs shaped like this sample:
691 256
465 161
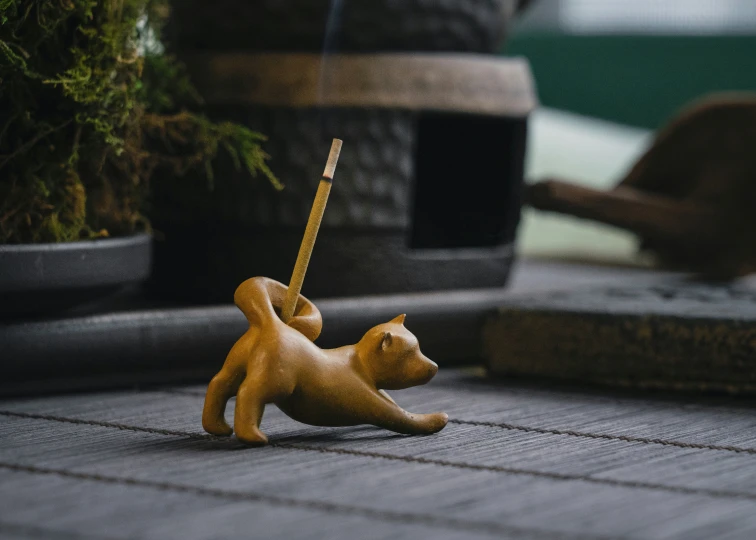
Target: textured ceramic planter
426 195
427 192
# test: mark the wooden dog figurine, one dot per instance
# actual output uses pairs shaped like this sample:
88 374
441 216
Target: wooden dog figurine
274 362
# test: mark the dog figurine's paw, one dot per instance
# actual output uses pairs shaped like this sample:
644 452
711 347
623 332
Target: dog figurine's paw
435 422
220 429
252 436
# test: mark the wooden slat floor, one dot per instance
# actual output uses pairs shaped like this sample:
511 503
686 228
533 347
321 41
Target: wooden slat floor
518 460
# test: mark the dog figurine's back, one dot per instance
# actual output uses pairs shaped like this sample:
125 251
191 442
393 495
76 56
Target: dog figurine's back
274 362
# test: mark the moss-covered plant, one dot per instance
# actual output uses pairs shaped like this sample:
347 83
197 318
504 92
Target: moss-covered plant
90 108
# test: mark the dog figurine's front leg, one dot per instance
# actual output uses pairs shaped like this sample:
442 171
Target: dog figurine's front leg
387 414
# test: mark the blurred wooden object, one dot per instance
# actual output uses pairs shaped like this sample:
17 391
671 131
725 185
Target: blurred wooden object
674 334
690 198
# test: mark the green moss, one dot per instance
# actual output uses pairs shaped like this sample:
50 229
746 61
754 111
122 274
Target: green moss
90 107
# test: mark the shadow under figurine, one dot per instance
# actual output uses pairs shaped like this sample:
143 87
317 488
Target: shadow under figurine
276 362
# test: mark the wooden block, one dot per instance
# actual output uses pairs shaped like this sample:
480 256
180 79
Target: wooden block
517 461
674 335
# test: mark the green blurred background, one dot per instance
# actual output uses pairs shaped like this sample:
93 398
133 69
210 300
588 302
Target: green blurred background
636 61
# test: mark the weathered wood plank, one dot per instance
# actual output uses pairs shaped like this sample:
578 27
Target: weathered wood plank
358 484
52 506
676 334
522 480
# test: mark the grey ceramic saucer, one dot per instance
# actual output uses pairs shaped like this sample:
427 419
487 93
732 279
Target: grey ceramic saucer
39 279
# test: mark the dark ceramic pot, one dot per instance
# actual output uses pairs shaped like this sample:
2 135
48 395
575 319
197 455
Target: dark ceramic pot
383 232
422 199
427 190
45 279
343 25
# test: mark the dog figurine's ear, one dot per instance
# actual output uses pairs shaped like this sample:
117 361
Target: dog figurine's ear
387 340
399 319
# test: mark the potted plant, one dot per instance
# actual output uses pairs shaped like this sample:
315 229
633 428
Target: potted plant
93 113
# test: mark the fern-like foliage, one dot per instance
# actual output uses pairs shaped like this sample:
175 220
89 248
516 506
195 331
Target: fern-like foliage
90 107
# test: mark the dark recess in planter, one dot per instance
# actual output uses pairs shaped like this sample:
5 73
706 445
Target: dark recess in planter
458 203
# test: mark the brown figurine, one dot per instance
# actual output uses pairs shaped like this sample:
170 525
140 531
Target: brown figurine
276 361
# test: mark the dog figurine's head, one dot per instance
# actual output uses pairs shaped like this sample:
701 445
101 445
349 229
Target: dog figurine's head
391 355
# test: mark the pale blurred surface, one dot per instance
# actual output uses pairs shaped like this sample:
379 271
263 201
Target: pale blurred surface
589 152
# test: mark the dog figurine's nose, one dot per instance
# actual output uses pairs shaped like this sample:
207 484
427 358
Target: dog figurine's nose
431 369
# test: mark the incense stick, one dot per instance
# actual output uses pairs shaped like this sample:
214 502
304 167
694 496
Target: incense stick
311 233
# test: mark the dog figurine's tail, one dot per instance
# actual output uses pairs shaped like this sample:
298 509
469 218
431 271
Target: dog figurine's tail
261 299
